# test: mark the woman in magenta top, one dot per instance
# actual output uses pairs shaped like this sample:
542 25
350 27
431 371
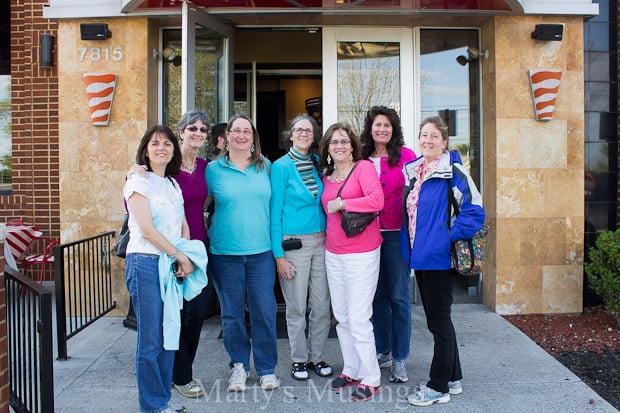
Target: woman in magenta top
383 144
352 264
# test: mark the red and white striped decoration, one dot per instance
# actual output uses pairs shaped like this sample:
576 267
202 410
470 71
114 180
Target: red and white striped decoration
100 92
18 238
545 84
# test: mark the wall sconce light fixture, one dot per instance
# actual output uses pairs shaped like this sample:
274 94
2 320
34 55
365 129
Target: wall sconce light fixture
473 54
94 31
548 32
169 54
46 50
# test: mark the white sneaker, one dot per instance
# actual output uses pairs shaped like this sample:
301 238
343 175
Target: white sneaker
425 396
456 387
269 382
237 379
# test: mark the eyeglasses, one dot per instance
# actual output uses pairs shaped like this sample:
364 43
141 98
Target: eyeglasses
246 132
194 129
343 142
300 131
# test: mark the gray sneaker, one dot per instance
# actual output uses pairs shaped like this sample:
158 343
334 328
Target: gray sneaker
384 360
455 387
399 372
191 389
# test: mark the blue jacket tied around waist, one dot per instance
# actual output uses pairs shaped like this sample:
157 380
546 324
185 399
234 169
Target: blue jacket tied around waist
173 293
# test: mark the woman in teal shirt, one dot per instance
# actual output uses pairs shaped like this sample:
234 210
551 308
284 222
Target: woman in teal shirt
243 266
296 213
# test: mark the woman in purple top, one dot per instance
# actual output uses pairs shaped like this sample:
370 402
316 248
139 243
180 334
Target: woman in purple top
193 129
383 144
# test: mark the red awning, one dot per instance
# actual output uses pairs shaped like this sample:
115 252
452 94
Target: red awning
470 5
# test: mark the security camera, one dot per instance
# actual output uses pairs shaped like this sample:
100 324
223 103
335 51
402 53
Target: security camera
473 54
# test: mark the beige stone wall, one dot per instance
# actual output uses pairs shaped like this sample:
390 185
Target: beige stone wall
94 159
533 171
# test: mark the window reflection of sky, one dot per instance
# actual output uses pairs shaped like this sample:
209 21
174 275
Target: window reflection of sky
445 85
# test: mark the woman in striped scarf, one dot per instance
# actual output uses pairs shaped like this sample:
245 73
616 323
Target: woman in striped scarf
296 213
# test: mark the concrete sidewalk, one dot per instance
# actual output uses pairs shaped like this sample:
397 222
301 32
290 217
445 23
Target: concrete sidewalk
504 372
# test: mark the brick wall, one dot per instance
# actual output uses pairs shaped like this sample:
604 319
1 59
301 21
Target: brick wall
34 105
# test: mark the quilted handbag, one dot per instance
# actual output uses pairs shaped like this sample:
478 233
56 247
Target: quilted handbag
467 254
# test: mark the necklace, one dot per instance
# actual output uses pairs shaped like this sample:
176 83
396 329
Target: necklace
341 176
187 168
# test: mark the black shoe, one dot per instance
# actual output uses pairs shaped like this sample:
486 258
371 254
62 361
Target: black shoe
364 392
321 369
299 371
342 382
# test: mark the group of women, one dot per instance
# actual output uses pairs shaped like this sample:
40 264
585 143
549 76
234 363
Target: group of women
291 210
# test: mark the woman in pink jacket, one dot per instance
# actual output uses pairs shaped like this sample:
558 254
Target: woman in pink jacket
352 263
383 144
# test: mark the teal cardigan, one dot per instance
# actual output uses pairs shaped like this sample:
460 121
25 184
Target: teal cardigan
294 210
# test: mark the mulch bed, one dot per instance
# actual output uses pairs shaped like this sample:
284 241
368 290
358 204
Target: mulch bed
588 344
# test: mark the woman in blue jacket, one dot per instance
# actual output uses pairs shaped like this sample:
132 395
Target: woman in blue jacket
425 242
296 212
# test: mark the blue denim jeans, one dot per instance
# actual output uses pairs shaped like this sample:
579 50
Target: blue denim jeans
241 280
392 305
153 363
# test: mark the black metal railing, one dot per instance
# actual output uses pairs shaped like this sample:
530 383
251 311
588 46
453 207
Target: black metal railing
83 278
29 335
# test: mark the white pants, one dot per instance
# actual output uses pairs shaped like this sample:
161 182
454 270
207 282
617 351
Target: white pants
352 280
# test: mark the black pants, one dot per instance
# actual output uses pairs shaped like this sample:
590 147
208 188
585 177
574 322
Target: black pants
193 315
436 293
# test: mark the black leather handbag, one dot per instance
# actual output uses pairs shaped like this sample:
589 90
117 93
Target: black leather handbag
354 223
120 248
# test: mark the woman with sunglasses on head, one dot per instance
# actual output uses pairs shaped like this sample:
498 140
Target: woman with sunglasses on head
193 128
243 266
352 263
297 217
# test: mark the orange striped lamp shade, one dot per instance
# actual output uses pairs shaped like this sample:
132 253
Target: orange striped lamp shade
100 92
545 85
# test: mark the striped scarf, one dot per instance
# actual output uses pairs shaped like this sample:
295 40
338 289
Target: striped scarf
304 166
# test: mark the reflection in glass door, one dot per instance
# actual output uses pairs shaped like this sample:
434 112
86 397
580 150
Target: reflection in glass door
368 75
450 87
363 67
208 57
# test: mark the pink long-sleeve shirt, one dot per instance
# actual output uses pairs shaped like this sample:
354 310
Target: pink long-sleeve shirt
362 193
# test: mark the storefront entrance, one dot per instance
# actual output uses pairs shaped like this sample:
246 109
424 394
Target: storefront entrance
334 73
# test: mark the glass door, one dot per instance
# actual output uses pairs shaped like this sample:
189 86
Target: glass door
363 67
207 61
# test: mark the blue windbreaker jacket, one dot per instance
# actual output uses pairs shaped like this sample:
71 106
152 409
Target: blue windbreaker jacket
431 245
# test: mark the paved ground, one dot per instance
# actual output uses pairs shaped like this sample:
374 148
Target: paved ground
504 372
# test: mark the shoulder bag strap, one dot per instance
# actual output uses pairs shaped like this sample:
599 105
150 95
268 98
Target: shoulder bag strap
451 201
346 179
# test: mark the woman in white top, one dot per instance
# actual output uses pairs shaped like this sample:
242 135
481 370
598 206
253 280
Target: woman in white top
156 221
